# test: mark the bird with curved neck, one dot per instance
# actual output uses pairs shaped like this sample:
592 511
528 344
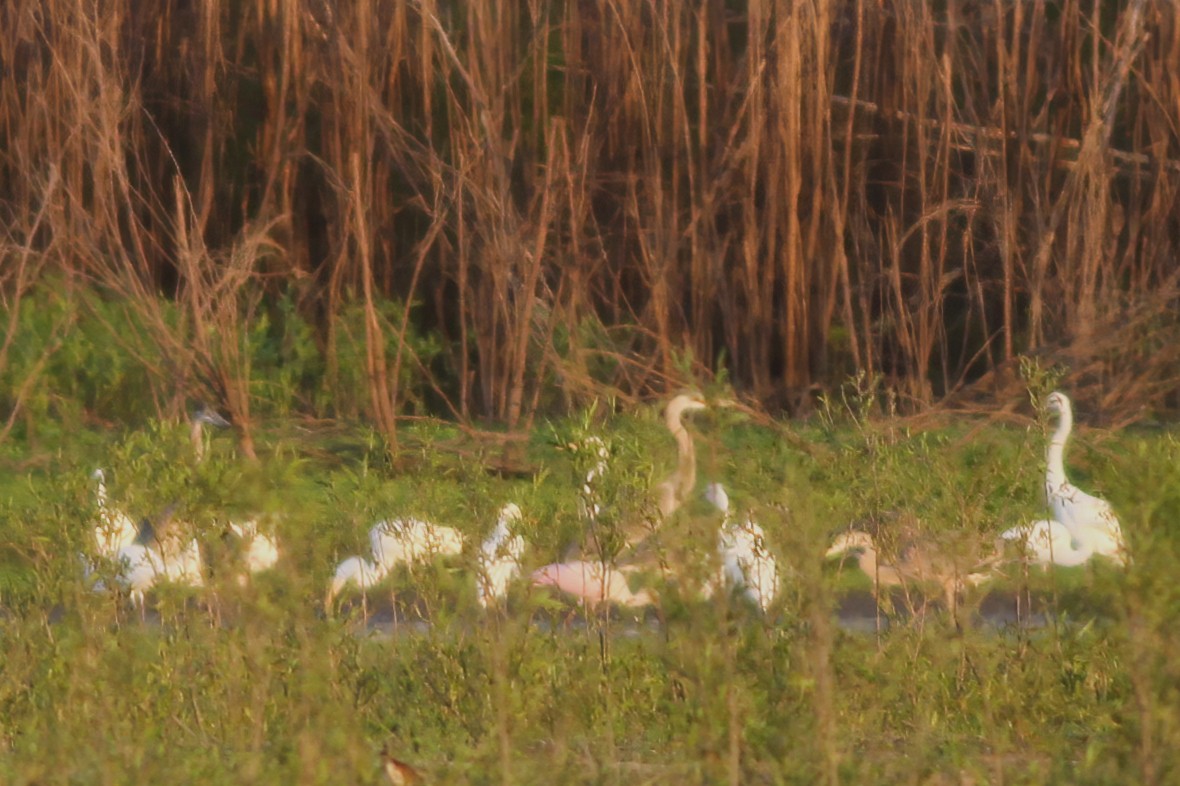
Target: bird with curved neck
1089 519
746 564
362 574
677 488
115 528
1049 542
201 418
913 565
499 557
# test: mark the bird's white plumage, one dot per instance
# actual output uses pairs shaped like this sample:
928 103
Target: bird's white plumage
395 541
261 551
746 564
499 557
354 571
590 498
114 528
140 568
1089 519
1049 542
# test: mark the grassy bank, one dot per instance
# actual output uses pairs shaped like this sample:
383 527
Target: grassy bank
257 685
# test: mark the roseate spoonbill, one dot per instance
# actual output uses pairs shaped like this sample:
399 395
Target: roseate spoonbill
593 583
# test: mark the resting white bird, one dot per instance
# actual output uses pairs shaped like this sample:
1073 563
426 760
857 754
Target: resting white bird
143 567
746 564
412 541
261 551
1049 542
499 557
360 573
1089 519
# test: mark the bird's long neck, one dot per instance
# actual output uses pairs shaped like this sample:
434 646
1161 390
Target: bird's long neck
1055 455
867 560
372 572
196 435
880 574
686 465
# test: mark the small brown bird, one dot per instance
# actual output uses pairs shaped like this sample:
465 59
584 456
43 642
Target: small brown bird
400 773
918 563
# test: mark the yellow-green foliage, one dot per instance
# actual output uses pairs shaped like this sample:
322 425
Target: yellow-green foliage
257 685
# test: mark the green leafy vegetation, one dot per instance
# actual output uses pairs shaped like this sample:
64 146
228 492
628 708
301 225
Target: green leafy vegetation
255 684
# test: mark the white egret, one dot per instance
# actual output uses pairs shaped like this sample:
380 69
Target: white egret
590 498
141 567
1049 542
915 564
358 572
746 564
499 557
1089 519
412 541
593 583
114 529
261 551
677 488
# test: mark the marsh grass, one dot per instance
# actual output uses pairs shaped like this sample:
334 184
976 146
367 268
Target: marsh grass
269 690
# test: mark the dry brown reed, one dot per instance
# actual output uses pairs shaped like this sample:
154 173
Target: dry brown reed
794 189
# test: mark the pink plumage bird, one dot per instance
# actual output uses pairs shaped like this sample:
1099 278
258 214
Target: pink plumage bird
593 583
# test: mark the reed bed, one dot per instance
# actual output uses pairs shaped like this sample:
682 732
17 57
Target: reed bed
572 198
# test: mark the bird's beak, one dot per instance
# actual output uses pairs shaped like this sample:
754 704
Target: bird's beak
211 418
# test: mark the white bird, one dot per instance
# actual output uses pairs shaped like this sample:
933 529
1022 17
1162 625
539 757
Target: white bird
593 583
142 567
114 529
499 557
261 550
1089 519
746 564
412 541
677 488
1049 542
393 542
359 572
590 499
